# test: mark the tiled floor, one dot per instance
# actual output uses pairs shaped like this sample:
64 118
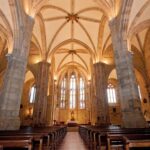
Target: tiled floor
72 141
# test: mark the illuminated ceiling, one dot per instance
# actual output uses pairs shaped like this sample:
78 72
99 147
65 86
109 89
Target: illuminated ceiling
75 32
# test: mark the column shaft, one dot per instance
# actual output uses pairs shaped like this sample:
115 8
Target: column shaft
101 95
11 92
40 107
130 102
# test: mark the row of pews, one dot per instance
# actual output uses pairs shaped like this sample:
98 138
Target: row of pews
111 137
43 138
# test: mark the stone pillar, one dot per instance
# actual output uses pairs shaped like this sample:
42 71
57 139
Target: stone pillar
10 95
50 104
102 112
132 116
147 85
40 106
89 98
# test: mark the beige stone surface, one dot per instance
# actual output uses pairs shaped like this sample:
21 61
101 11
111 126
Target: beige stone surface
74 35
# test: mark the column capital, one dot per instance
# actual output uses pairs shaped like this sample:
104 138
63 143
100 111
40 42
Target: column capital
113 21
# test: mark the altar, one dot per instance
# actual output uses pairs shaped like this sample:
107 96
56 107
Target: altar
71 123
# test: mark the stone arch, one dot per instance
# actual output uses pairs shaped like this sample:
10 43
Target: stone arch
138 28
51 53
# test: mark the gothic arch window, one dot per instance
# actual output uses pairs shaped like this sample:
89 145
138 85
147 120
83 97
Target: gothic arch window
32 94
63 93
72 91
82 93
111 93
139 90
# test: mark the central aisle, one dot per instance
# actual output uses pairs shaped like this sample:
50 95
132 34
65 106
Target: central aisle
72 141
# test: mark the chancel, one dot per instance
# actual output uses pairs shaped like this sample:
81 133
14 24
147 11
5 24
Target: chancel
74 71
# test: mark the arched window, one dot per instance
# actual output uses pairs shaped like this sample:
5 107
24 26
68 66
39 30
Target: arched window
139 90
32 94
82 94
63 93
111 94
72 91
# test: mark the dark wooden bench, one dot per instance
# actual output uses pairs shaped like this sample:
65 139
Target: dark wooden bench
37 138
127 141
97 137
48 137
16 142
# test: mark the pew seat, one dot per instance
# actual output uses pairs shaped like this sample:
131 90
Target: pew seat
42 137
97 137
127 141
16 142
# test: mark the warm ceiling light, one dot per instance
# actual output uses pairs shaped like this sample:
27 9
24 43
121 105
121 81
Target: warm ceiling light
55 77
89 78
37 60
49 60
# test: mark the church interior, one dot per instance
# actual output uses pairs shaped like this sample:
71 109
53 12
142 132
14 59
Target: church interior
74 64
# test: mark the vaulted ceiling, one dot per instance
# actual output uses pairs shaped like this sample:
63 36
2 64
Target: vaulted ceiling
75 32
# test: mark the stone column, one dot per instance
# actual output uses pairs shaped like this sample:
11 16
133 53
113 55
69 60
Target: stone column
40 106
50 104
101 95
147 81
130 102
10 95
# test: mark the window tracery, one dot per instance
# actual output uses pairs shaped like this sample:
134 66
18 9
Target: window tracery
111 94
32 94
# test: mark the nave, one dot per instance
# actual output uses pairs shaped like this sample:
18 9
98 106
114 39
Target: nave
83 137
72 141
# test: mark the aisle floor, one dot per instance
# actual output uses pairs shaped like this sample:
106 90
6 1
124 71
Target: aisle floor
72 141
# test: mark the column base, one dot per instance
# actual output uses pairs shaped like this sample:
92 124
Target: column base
133 120
10 123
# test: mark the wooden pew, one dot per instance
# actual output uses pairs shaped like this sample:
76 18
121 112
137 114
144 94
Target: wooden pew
134 141
16 142
116 141
56 134
97 137
118 137
37 138
52 135
127 141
